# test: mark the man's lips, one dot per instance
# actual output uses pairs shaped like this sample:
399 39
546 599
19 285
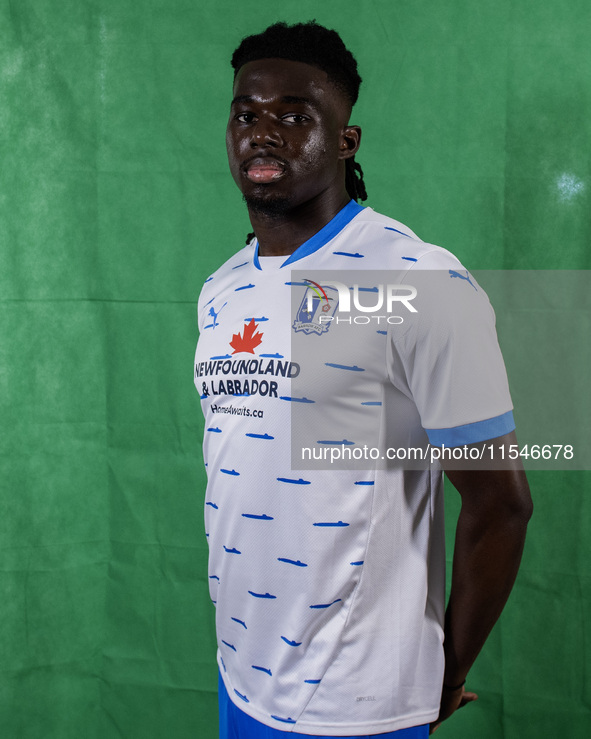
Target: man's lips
263 170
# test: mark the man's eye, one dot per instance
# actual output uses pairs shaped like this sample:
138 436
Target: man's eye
245 117
294 118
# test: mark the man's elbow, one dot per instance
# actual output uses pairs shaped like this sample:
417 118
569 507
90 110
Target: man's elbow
517 506
521 501
522 510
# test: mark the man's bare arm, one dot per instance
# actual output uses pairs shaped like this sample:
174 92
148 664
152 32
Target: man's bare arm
496 507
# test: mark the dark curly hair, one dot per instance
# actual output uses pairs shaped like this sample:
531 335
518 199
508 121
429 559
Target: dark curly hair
322 47
304 42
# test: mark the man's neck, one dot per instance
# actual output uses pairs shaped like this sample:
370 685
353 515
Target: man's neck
281 235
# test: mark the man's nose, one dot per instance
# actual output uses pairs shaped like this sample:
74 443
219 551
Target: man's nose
265 133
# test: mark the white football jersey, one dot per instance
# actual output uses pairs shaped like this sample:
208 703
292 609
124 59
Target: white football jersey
329 579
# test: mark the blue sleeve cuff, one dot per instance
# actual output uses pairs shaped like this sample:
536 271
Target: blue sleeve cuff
472 433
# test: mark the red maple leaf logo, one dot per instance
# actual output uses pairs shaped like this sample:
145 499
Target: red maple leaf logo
248 340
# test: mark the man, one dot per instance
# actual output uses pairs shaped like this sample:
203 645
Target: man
329 584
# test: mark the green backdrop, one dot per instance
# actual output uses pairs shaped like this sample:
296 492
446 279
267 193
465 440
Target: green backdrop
116 204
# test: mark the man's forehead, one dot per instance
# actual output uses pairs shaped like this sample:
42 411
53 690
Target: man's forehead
282 78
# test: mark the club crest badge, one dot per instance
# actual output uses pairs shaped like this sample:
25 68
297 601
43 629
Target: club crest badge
317 304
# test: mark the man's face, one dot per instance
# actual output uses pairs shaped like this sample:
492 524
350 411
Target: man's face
285 137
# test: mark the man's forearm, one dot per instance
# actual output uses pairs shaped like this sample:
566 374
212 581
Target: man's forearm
489 542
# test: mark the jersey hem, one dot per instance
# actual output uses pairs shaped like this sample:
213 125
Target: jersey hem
328 729
378 727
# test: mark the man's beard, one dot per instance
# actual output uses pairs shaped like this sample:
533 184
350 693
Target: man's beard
273 207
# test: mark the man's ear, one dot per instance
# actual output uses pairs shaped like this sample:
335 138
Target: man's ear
350 141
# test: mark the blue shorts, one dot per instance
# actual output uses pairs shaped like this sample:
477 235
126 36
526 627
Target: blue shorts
235 724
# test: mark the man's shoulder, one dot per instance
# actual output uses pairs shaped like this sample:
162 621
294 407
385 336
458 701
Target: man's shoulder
370 217
230 269
401 242
237 260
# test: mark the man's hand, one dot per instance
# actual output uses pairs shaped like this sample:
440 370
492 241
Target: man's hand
451 700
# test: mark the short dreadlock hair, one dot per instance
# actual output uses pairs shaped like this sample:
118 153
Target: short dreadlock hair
321 47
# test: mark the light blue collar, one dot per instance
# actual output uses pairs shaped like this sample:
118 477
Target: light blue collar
322 237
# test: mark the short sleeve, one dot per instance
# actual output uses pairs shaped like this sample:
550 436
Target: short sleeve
448 360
